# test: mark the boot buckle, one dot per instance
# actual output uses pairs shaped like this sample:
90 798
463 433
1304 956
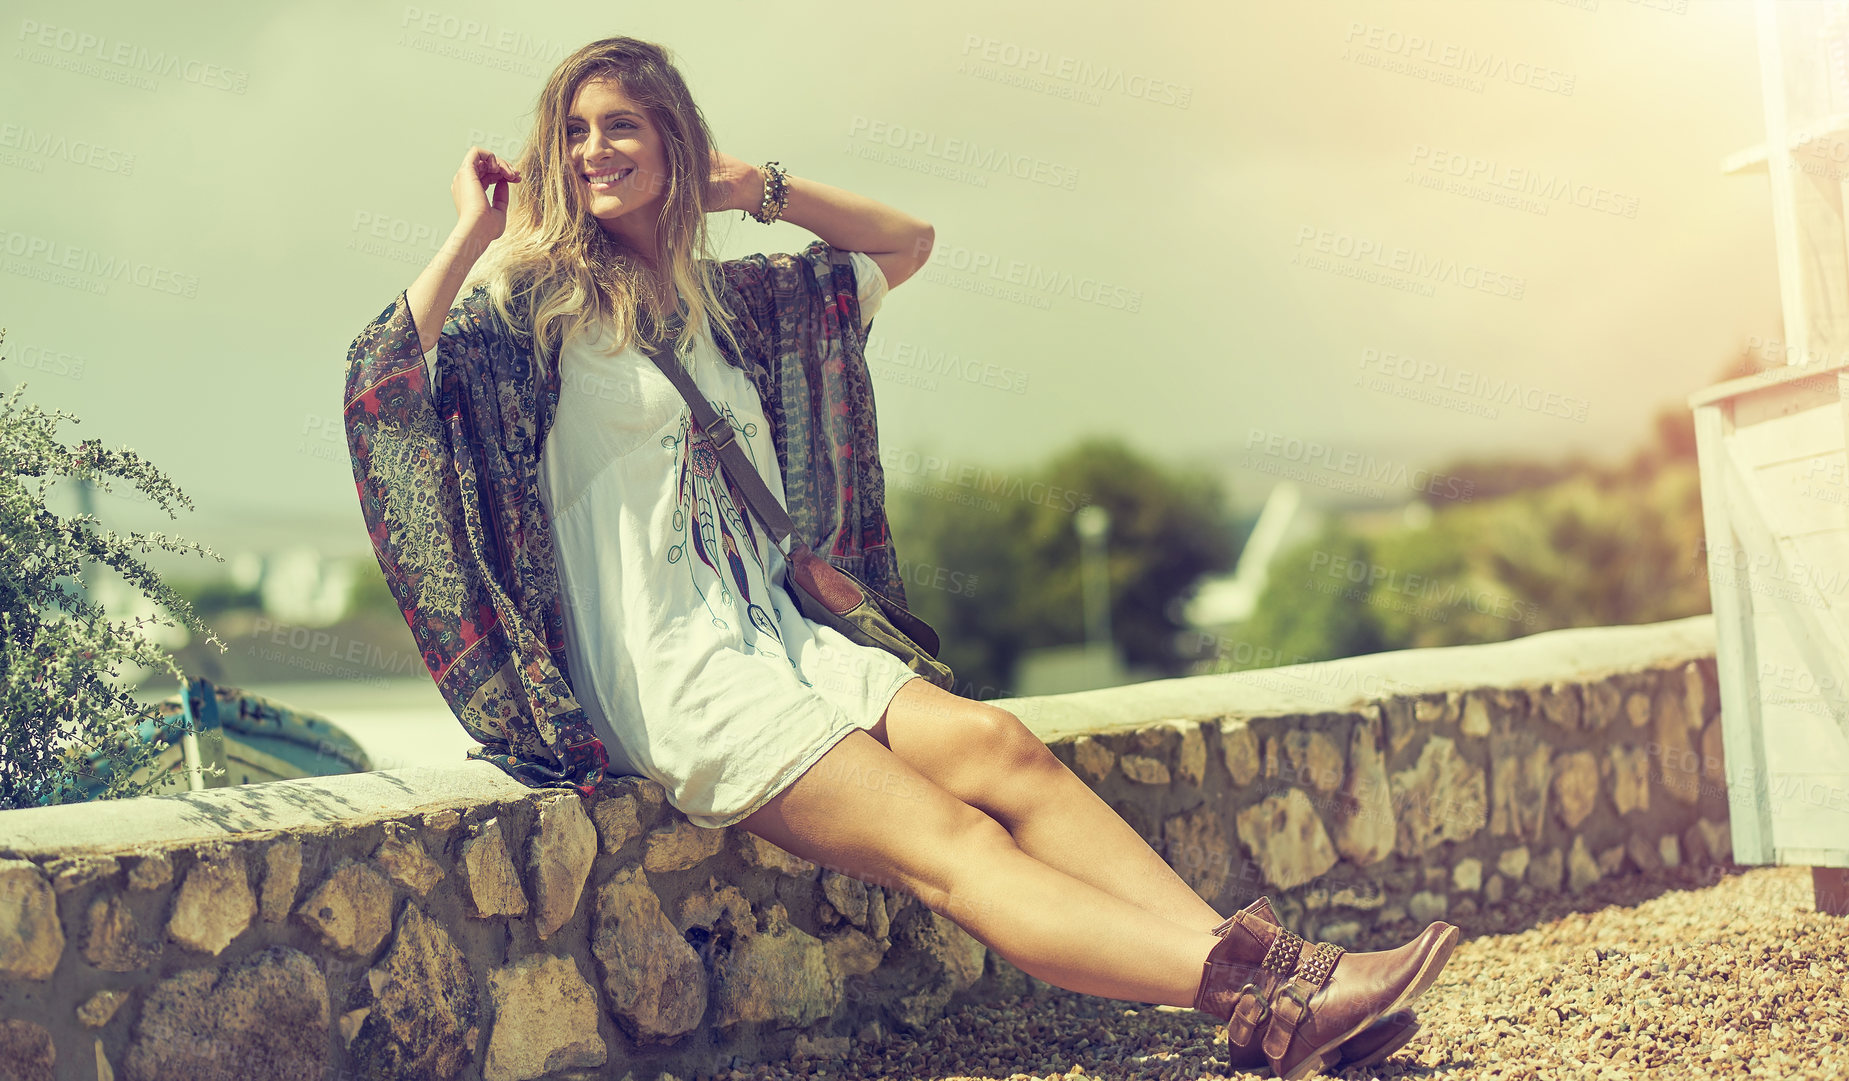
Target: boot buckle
1285 1020
1258 997
1241 1026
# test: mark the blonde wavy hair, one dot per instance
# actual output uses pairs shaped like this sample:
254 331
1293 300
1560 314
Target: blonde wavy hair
567 272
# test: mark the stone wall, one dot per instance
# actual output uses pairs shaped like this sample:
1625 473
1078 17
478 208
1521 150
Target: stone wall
1404 787
449 923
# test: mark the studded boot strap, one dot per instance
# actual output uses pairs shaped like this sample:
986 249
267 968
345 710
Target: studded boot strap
1253 1006
1292 1002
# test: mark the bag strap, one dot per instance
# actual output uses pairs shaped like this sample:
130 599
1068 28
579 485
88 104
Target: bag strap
723 437
756 492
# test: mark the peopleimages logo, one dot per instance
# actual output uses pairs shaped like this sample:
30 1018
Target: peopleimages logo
1464 60
459 33
967 152
1028 275
88 263
1309 452
988 482
50 361
1080 74
1809 581
128 57
1442 592
1411 261
1471 169
1270 666
1474 384
938 362
16 136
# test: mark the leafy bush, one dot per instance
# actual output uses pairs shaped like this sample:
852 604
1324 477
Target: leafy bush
1587 551
1538 546
64 725
991 560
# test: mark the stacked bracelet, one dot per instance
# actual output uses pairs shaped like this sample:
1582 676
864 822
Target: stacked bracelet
776 194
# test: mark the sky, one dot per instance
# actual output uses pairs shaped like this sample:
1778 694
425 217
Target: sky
1254 237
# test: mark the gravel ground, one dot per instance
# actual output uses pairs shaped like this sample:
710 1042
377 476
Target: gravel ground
1728 972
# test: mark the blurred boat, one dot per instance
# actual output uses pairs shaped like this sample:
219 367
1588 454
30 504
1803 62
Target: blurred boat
241 736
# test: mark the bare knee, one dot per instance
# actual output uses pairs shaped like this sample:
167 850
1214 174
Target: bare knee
970 748
998 739
1002 767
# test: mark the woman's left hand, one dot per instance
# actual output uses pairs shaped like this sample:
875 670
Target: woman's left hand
733 185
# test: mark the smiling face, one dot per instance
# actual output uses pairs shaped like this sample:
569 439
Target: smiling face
618 161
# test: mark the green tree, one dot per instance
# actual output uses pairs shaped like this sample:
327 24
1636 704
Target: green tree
992 561
1594 550
1602 549
63 721
1309 610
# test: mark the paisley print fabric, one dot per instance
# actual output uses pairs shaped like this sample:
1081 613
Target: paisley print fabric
448 483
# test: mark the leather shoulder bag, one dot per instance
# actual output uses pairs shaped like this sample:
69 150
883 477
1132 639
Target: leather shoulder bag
823 592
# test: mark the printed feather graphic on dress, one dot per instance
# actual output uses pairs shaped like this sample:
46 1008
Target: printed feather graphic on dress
712 503
732 560
703 462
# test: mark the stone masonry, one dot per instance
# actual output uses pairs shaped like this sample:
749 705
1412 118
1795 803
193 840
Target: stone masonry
449 923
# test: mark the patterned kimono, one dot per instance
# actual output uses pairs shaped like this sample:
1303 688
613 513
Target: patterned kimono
449 487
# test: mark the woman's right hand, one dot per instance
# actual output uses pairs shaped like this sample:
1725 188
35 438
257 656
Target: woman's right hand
477 217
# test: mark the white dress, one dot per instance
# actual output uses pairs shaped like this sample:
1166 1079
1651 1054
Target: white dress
693 663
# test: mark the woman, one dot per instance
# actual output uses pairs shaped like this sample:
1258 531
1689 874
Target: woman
636 619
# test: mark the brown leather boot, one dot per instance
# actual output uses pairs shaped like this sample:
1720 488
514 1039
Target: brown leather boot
1371 1045
1299 1003
1378 1040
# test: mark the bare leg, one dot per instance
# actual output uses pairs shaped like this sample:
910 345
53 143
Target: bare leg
863 811
984 756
